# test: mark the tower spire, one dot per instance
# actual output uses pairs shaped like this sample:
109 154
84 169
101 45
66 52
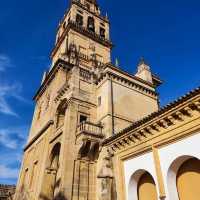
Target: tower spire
144 71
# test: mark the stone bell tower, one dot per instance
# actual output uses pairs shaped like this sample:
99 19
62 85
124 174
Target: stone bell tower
65 137
83 31
82 100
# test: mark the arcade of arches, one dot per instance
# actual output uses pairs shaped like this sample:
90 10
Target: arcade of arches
187 182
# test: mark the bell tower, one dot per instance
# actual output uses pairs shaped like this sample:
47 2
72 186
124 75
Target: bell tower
83 100
83 32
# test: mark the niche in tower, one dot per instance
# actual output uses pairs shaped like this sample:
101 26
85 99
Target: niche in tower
91 26
102 32
79 20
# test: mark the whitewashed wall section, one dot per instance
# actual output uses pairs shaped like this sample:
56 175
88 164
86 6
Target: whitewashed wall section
172 157
133 169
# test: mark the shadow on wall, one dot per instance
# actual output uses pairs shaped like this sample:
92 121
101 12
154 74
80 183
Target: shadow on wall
59 196
25 194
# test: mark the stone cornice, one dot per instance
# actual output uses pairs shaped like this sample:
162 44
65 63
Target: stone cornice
157 81
162 120
130 83
50 76
46 126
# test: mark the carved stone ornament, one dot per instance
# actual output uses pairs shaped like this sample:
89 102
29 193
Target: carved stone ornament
106 178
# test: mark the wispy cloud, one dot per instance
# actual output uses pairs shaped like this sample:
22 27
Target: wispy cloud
5 62
12 141
8 90
14 137
8 173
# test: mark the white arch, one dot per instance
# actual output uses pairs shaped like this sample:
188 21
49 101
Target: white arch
133 184
172 175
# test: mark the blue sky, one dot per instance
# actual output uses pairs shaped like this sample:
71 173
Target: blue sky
166 33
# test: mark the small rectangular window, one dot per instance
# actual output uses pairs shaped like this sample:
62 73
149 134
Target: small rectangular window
99 101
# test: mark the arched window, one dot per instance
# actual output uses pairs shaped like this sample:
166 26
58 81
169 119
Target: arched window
188 180
55 156
61 114
91 26
102 32
147 188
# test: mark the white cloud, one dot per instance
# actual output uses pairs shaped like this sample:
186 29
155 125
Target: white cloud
8 173
5 108
5 62
9 90
12 141
13 138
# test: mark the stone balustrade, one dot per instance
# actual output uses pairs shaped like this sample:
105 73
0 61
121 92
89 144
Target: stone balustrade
88 128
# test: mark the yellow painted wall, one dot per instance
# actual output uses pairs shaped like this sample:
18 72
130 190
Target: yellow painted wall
147 188
188 180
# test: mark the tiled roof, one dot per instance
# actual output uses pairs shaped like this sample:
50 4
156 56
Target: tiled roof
162 110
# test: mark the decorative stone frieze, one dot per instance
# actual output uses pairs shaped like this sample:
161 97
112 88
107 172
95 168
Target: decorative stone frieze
61 92
85 74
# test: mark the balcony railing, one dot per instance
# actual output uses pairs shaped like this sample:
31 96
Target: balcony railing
88 128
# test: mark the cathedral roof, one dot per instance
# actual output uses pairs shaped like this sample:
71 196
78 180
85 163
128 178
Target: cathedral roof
158 113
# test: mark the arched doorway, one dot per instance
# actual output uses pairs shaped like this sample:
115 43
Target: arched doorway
60 113
146 188
188 180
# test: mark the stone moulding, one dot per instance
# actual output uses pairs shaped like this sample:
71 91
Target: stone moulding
168 116
61 91
127 82
46 126
50 76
